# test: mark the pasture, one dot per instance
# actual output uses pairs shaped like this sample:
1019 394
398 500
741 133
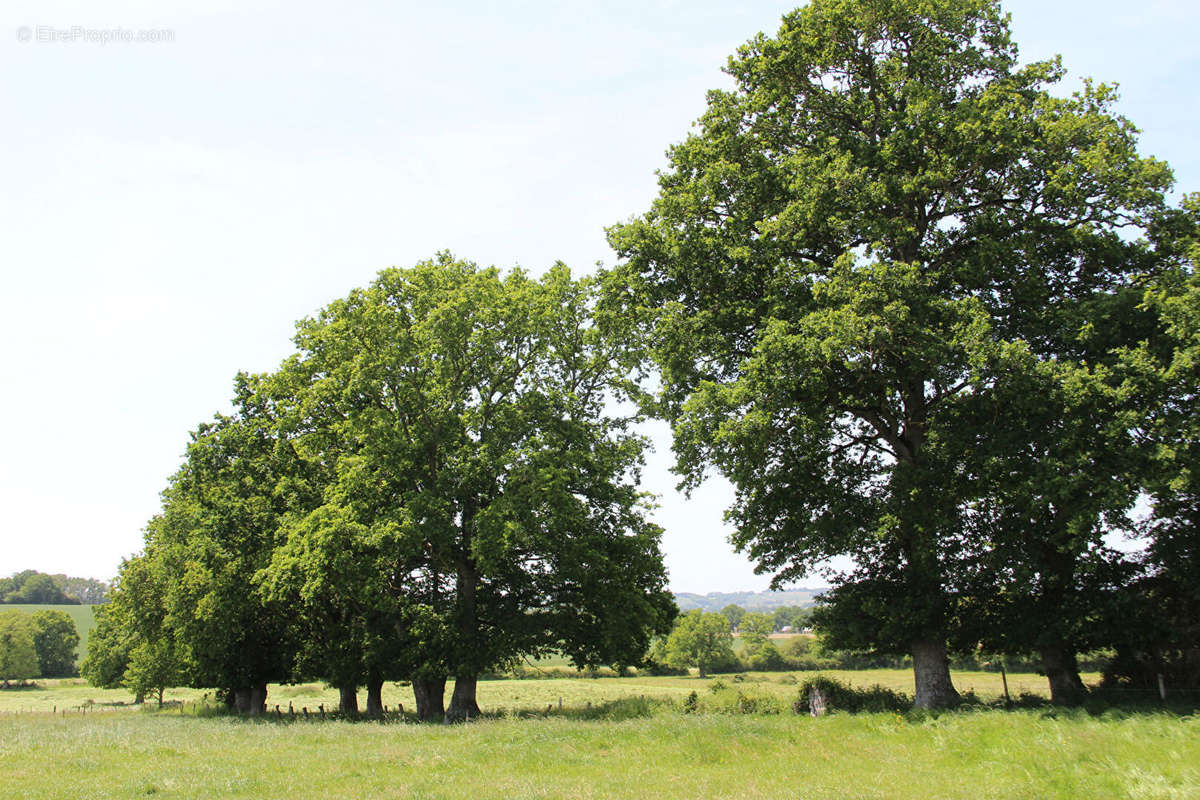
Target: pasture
614 737
513 696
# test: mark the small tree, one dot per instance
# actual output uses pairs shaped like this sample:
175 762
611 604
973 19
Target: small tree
153 667
702 640
109 646
18 656
758 651
55 639
734 613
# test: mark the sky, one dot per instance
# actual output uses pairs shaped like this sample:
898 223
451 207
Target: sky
176 197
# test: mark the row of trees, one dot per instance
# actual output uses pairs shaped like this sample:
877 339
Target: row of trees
795 617
439 482
920 312
41 644
925 314
33 587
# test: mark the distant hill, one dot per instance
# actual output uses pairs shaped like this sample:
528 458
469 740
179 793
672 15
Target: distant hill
751 601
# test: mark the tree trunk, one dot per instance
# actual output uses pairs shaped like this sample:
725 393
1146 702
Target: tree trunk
931 672
374 696
462 702
258 699
241 700
431 698
348 700
138 698
161 689
1062 671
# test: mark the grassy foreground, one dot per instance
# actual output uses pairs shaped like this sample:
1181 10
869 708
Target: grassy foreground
666 755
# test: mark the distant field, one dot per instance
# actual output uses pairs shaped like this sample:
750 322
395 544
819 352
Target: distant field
506 696
84 622
660 753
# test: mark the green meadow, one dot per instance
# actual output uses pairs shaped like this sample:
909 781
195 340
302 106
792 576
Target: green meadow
611 738
659 754
515 696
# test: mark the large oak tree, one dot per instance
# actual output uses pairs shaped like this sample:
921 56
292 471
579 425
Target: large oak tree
486 480
861 239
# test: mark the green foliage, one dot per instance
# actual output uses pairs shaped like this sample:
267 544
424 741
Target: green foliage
18 653
795 617
877 232
31 587
108 649
482 500
1161 630
55 639
734 613
840 696
758 651
219 527
702 640
153 666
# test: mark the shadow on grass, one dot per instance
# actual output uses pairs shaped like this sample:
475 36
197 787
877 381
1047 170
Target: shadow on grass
1103 704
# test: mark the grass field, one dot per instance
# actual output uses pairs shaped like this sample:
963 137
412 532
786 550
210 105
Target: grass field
82 615
501 696
659 754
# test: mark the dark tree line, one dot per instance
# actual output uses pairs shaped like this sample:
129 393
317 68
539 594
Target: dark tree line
33 587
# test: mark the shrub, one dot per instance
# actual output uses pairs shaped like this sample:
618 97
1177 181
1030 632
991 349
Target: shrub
738 701
843 697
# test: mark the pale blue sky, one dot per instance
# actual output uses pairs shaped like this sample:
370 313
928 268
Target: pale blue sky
170 209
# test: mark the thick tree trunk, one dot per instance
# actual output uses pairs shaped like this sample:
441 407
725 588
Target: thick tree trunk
258 699
931 671
1062 671
348 700
374 696
138 698
241 700
462 702
431 698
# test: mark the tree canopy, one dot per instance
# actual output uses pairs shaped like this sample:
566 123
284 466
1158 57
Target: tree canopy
55 639
18 653
440 481
887 221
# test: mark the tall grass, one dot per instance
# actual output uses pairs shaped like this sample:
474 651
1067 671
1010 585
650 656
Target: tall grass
635 748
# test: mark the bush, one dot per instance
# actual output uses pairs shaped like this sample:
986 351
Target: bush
740 701
843 697
654 667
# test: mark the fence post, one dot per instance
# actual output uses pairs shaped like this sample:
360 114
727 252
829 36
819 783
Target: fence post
1162 688
1004 680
